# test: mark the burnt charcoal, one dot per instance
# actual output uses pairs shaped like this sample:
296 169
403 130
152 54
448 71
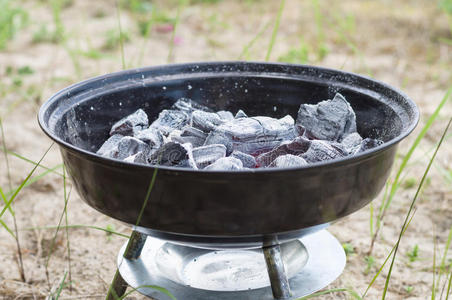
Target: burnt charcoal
328 120
110 147
140 158
173 154
191 135
352 142
240 114
296 147
255 135
128 146
226 164
218 137
206 155
187 105
170 120
369 143
322 150
150 136
287 161
206 121
225 115
130 124
247 160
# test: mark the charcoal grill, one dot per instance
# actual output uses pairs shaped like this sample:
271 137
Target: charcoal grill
217 234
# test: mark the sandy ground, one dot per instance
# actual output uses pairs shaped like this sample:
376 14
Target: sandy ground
396 42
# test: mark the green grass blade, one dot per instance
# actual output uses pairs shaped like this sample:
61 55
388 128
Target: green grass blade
33 162
275 30
52 244
433 297
331 291
23 183
411 208
60 287
386 260
121 35
37 177
180 6
6 201
5 153
442 266
7 228
430 121
79 226
448 286
68 243
247 47
158 288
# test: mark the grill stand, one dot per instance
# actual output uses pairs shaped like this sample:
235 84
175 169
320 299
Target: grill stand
276 272
325 263
133 251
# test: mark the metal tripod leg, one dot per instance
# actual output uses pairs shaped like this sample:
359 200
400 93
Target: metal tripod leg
278 277
133 251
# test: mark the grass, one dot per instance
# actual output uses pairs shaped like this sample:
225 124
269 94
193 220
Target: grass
12 19
150 15
387 199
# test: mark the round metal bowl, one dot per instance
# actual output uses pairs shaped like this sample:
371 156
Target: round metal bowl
217 209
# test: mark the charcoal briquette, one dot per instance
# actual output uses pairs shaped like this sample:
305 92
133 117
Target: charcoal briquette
287 161
369 143
170 120
225 115
131 123
128 146
247 160
328 120
110 147
140 158
323 150
226 164
206 155
352 142
297 146
206 121
240 114
173 154
151 136
188 105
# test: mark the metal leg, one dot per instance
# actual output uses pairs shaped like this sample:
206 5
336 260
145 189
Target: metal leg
133 251
278 277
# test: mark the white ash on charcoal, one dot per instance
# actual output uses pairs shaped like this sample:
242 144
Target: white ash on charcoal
323 150
226 164
352 142
170 120
240 114
328 120
173 154
207 155
129 146
131 124
187 105
191 135
297 146
369 143
110 147
288 161
247 160
139 158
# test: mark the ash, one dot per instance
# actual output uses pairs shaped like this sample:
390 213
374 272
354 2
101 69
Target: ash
191 135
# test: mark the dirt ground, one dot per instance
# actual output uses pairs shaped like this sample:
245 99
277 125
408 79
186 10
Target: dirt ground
404 43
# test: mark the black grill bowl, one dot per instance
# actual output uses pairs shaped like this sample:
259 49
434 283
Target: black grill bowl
217 209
